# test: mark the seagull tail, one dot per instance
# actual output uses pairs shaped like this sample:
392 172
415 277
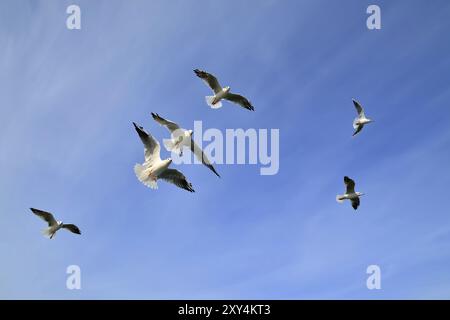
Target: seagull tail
47 233
171 147
143 177
339 198
210 100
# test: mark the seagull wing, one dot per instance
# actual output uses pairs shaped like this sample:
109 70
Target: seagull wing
72 228
209 79
171 126
350 184
358 128
355 203
240 100
152 148
177 178
46 216
202 157
359 108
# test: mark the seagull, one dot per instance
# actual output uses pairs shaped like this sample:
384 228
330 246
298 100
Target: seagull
179 137
361 119
154 168
182 138
54 225
350 193
221 93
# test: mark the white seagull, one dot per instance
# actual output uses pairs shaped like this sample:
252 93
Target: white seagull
221 93
53 225
350 193
182 138
154 168
361 119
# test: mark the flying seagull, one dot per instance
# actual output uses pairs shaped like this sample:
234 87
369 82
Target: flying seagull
53 225
350 193
221 93
154 168
361 119
182 138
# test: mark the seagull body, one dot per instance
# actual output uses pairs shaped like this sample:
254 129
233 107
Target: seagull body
179 137
182 138
221 92
360 120
53 224
350 193
154 168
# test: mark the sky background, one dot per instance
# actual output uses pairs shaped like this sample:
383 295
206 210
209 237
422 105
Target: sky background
68 99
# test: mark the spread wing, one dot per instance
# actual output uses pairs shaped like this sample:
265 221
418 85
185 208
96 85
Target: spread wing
240 100
151 146
177 178
202 157
350 184
171 126
359 108
46 216
72 228
355 203
209 79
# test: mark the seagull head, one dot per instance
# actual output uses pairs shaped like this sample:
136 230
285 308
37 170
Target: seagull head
60 223
359 194
190 132
226 89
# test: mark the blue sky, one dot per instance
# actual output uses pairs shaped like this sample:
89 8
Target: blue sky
68 146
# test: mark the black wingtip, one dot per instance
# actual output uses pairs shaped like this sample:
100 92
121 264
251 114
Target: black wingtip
140 131
249 106
138 128
199 73
156 116
210 167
